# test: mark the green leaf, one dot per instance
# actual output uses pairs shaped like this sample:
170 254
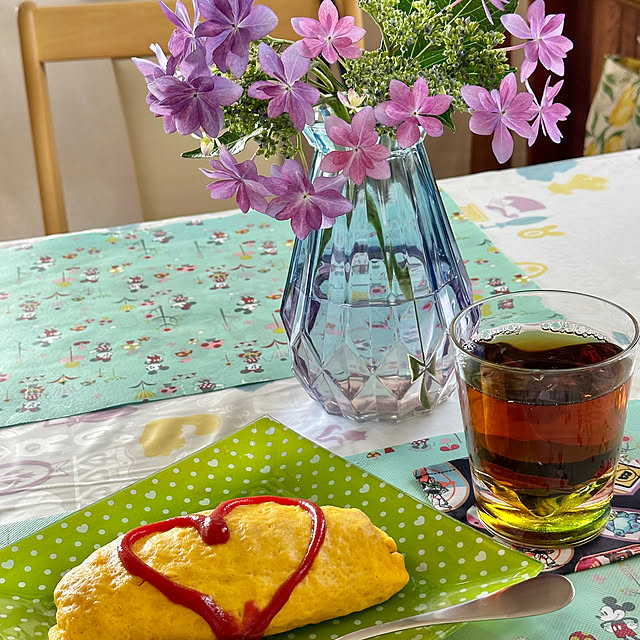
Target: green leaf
595 121
637 118
446 119
434 55
608 90
431 366
235 143
195 153
610 78
416 367
473 10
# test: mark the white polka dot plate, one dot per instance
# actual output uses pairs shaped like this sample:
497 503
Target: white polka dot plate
448 562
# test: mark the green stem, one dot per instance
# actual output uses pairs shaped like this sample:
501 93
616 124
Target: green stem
300 153
279 41
318 85
320 66
328 83
390 261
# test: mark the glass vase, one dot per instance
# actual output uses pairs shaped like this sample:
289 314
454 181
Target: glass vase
367 302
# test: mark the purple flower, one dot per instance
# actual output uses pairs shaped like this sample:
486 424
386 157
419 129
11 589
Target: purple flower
330 36
499 111
545 40
549 114
365 157
152 71
308 205
183 40
413 109
195 101
286 92
239 179
230 26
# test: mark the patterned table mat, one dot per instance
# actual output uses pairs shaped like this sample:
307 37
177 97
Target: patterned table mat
144 312
132 314
607 589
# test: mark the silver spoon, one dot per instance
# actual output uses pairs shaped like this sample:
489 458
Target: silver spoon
544 594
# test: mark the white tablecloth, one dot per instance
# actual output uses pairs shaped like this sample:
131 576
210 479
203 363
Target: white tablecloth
570 225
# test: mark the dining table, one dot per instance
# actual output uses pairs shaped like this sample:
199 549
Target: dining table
124 351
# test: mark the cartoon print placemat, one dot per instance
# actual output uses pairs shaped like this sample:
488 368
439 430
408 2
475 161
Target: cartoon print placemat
607 597
132 314
144 312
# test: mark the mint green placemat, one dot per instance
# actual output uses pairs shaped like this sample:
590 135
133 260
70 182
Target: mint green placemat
132 314
607 600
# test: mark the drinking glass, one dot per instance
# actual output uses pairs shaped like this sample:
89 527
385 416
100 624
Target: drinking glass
544 379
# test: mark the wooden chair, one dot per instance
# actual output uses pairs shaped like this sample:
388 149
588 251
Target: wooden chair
108 30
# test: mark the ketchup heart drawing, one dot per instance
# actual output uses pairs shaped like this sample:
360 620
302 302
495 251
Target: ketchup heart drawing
213 530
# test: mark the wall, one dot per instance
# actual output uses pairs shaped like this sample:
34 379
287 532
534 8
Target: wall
94 152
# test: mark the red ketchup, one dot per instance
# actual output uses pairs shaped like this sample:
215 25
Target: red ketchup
213 530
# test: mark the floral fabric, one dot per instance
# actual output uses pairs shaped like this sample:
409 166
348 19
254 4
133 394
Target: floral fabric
614 118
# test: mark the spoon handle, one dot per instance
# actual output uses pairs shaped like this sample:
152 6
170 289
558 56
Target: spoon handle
544 594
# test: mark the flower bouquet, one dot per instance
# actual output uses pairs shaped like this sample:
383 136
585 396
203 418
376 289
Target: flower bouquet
376 276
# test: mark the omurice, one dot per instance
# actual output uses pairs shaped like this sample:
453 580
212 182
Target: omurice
252 567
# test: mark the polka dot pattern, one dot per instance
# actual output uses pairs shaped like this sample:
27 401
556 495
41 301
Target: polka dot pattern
31 568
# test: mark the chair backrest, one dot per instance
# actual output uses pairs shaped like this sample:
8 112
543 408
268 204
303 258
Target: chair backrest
109 30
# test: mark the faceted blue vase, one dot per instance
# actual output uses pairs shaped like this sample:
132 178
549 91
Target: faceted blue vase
367 302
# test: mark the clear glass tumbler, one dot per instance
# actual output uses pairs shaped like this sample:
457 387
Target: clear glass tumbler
544 379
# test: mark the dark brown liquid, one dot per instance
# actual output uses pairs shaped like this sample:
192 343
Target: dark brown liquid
543 442
541 350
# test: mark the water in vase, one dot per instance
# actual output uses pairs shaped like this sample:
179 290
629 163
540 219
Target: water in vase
368 302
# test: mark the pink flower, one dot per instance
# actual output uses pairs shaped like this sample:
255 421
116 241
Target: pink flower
546 43
239 179
549 114
412 109
286 92
352 100
365 157
308 205
498 4
330 36
499 111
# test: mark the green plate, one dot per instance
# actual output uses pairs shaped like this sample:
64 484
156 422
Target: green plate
448 562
